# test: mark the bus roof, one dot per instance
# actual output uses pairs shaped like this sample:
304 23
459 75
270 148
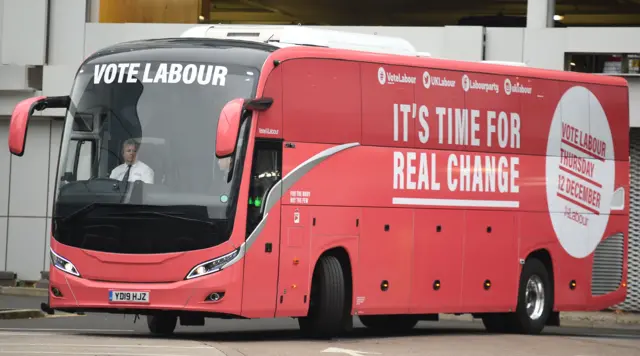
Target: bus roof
295 52
304 42
288 35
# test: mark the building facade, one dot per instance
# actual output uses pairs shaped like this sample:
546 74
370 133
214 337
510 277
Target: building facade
42 43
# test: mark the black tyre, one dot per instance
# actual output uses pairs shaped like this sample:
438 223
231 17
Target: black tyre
162 324
389 323
535 299
328 311
535 303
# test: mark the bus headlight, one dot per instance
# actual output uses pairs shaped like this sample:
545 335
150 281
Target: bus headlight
212 266
63 264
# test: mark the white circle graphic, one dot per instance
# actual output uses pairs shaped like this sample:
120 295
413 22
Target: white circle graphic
426 79
466 82
507 86
382 76
580 171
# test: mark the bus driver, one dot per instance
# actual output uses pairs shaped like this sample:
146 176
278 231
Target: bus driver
132 169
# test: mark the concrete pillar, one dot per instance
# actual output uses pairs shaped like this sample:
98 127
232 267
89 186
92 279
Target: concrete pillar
93 11
540 13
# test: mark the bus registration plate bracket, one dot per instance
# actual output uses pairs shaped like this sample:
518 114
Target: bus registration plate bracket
116 296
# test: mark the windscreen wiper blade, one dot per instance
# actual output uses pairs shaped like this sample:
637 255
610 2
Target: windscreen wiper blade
166 215
85 209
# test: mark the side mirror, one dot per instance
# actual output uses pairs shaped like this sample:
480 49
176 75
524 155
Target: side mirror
229 122
228 127
22 114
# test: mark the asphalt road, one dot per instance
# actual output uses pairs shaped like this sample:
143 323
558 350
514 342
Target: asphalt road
97 334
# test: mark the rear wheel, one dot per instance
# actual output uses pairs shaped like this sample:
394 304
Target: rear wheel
327 304
535 298
535 303
161 324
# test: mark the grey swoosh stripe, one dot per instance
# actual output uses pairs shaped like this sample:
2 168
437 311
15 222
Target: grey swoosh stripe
284 185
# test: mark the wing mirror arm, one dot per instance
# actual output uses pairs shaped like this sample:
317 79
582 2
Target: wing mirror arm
258 104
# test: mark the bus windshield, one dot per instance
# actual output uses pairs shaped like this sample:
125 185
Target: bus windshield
138 171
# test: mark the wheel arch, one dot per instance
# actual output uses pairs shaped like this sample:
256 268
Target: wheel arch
543 255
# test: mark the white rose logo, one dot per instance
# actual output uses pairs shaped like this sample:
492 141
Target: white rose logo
382 76
507 86
466 82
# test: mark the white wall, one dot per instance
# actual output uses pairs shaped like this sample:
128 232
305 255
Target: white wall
26 184
23 22
25 202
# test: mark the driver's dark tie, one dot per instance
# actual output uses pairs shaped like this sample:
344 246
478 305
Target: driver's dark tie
126 175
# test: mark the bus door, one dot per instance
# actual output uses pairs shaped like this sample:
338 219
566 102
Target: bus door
263 231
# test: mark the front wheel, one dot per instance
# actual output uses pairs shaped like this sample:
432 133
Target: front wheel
161 324
327 303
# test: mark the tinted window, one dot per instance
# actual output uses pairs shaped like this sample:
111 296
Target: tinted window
165 116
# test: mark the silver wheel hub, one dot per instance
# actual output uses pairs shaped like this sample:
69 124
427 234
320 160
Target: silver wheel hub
534 297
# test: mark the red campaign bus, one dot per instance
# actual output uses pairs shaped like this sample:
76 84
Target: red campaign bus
321 175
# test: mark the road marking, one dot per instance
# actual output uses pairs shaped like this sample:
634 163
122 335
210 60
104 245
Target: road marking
337 350
63 315
17 333
600 337
84 353
66 330
110 346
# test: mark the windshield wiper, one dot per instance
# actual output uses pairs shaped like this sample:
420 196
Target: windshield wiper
85 209
166 215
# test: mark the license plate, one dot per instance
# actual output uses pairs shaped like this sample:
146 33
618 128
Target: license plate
128 297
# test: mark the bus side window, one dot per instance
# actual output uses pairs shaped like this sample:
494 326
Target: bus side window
265 173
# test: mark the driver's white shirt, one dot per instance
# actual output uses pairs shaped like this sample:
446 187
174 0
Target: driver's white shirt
139 171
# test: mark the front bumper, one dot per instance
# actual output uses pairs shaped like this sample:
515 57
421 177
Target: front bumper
75 294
